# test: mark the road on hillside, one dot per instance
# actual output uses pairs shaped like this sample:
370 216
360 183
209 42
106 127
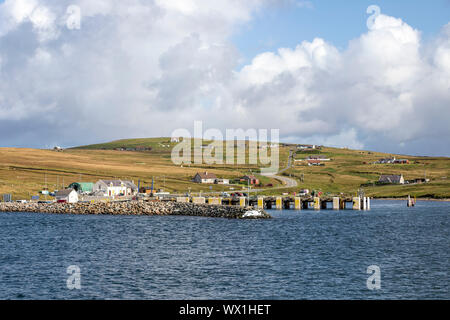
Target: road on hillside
287 182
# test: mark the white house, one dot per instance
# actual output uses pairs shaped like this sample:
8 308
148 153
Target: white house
111 188
318 157
67 195
306 146
205 177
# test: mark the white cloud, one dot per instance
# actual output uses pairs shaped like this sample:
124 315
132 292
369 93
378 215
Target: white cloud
144 68
384 85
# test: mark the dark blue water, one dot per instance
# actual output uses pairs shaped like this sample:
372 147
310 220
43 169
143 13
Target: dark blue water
296 255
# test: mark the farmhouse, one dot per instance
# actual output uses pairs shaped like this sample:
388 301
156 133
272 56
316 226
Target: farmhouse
392 179
113 188
205 177
67 195
318 157
306 146
385 161
315 163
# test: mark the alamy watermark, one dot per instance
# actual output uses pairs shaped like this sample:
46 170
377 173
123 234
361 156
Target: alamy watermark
229 148
73 17
375 11
374 280
74 279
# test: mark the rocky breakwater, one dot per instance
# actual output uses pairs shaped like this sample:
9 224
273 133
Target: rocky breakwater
147 208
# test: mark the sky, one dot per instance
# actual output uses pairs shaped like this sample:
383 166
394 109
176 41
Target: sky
322 72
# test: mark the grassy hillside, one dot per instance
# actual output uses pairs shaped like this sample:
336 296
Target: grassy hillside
350 169
23 172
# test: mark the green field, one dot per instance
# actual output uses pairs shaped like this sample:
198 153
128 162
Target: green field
24 172
349 169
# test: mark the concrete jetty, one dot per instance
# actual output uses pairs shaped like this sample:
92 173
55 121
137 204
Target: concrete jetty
297 203
138 208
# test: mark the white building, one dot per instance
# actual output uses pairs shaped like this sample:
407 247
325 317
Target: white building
392 179
205 177
222 181
112 188
67 195
306 146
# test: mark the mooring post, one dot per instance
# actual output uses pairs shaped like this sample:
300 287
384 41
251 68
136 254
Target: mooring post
336 203
316 203
356 203
279 203
411 202
199 200
183 199
242 201
368 203
364 203
216 201
260 202
298 203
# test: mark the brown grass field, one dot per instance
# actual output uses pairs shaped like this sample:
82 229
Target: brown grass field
24 172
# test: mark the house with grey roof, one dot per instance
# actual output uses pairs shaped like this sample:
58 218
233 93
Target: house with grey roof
112 188
67 195
205 177
391 179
